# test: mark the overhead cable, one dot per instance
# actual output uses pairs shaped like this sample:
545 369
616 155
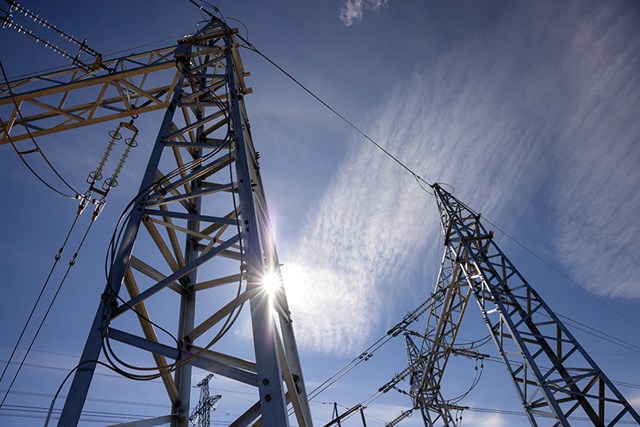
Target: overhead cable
72 262
564 275
92 179
407 320
35 305
37 148
252 48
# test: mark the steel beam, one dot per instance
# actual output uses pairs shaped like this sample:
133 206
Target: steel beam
74 98
555 377
207 237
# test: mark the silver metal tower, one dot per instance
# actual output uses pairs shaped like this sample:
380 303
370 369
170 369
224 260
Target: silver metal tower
199 223
194 248
428 400
555 378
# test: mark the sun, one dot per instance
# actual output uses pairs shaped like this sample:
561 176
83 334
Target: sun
271 282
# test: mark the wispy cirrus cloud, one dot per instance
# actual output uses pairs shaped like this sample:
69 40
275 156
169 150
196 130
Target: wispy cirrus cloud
507 119
352 241
491 420
635 401
596 198
353 11
366 234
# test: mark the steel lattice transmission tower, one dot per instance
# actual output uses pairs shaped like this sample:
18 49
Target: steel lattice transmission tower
204 250
201 415
199 224
428 400
202 204
555 378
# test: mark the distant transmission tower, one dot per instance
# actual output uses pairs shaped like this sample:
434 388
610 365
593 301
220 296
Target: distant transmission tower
201 415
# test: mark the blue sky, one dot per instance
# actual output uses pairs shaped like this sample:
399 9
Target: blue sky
529 110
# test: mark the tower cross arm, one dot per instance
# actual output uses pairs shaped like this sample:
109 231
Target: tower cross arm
73 98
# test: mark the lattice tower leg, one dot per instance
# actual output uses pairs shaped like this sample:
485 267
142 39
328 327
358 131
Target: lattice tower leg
554 375
429 400
202 185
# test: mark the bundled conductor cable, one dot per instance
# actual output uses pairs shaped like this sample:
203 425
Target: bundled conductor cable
99 202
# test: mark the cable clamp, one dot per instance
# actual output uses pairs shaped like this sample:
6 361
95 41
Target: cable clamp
99 206
35 150
84 201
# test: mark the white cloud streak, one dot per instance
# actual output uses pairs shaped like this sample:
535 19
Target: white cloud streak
353 11
635 402
501 118
596 201
493 420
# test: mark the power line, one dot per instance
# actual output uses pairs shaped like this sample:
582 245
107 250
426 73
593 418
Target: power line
499 360
35 150
202 9
100 416
46 314
8 22
109 401
106 56
369 352
66 369
51 410
522 414
28 166
561 273
600 334
38 20
252 48
66 378
41 409
42 290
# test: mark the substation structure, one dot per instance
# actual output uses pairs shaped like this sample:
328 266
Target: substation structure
199 223
556 380
202 229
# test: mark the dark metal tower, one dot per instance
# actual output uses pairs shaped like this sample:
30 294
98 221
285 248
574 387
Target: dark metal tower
199 223
428 400
554 376
201 204
201 415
